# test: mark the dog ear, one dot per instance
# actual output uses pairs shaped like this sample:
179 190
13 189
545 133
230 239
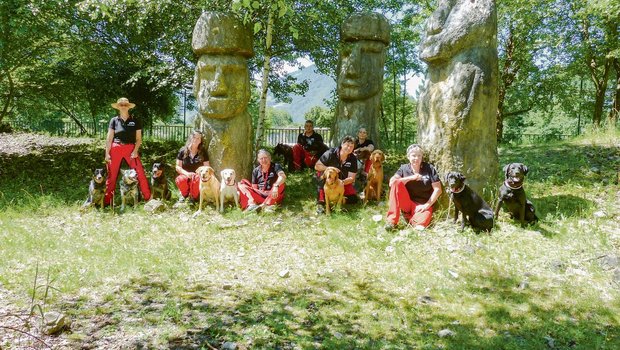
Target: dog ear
525 170
462 177
506 170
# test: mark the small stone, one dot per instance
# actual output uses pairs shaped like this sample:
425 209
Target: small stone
155 206
523 285
550 341
453 274
445 333
377 218
389 249
338 335
426 299
55 323
229 345
599 214
284 273
227 286
616 276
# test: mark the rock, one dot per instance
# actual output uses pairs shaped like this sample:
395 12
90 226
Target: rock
377 218
155 206
599 214
550 341
445 333
616 276
426 299
55 322
227 286
453 274
389 249
286 273
338 335
229 345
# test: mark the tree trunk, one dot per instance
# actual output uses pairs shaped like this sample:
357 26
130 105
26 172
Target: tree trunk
403 107
8 98
394 102
260 130
612 117
508 75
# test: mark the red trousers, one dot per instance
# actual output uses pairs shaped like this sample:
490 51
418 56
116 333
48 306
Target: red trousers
189 185
247 191
400 201
118 152
300 154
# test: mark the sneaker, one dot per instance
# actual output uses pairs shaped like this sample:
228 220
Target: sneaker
419 227
390 227
181 200
320 209
252 207
269 209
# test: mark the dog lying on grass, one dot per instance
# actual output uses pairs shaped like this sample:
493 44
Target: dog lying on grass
333 188
129 188
512 195
159 183
96 190
472 207
228 188
286 152
209 188
374 182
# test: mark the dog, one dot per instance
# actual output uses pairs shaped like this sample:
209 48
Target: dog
512 195
228 188
361 155
471 206
374 181
333 188
159 183
96 190
209 188
129 188
286 152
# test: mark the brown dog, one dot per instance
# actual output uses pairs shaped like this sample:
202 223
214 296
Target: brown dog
209 188
333 188
374 183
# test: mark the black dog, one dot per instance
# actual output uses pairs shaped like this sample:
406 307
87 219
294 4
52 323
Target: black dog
478 213
512 194
159 184
286 152
96 190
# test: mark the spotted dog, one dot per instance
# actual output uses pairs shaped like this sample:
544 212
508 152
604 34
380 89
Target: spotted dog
96 190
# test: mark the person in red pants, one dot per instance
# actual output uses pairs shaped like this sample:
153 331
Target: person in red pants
414 189
266 189
122 143
362 150
190 157
309 147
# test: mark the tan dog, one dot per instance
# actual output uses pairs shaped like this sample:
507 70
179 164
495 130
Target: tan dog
374 183
228 189
334 188
209 188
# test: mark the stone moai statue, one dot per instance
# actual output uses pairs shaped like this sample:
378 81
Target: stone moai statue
364 38
458 104
222 90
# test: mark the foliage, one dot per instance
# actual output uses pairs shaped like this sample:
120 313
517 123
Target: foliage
321 116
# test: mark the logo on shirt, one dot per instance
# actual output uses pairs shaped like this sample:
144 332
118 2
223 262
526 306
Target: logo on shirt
131 124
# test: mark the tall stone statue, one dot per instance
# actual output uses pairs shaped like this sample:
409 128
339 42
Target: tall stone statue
364 37
458 104
222 90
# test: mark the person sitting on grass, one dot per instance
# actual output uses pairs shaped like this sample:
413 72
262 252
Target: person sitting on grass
343 159
190 157
266 189
308 148
414 189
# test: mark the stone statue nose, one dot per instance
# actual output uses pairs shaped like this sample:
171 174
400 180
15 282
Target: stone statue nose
219 86
353 63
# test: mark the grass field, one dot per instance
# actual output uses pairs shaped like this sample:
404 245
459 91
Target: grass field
292 280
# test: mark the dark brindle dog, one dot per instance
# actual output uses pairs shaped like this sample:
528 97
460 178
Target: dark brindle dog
472 207
159 183
512 194
129 188
96 190
286 152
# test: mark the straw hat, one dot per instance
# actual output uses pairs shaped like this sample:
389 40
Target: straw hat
123 102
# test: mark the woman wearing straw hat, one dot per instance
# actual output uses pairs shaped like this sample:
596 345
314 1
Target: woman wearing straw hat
123 141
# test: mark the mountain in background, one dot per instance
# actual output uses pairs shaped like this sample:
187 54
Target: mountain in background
320 87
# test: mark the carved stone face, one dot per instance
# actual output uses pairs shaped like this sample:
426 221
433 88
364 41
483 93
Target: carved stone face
361 69
221 85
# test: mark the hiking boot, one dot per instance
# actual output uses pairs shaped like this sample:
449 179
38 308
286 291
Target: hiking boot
252 208
320 209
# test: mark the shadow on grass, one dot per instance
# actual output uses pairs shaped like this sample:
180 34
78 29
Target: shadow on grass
502 312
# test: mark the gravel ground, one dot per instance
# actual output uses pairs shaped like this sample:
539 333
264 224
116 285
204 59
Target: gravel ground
22 143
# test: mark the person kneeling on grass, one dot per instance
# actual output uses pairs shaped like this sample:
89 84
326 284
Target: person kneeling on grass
267 187
413 190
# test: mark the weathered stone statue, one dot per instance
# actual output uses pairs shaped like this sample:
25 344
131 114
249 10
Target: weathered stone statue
364 37
459 100
222 90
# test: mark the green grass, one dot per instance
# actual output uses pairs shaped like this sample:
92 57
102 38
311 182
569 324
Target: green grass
171 281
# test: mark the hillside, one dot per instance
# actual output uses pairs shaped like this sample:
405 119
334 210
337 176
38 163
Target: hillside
320 87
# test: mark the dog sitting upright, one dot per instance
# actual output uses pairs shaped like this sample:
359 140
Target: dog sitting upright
228 188
374 182
472 207
96 190
159 183
287 153
333 188
512 195
209 188
129 188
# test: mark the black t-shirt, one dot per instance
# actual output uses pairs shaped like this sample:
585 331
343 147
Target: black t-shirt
125 131
332 158
363 144
312 143
266 180
190 163
419 191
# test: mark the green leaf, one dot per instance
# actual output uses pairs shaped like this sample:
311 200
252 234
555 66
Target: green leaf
282 11
257 27
255 4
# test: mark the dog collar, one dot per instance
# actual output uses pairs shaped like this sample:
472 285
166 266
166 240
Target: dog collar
514 188
459 191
